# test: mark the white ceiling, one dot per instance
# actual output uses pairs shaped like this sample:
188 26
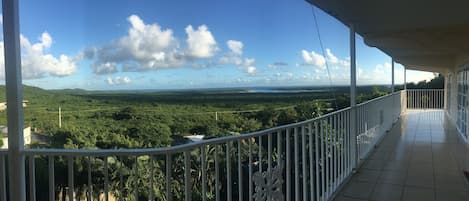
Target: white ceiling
426 35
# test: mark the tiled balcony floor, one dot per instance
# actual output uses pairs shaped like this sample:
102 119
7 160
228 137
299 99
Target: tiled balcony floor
420 159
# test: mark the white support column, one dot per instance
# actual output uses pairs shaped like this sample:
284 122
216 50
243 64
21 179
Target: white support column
14 93
353 103
392 76
405 78
405 89
353 66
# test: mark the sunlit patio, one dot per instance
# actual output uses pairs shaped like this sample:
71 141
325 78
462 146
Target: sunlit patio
420 159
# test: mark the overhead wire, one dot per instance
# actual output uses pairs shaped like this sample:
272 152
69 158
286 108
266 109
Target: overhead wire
325 58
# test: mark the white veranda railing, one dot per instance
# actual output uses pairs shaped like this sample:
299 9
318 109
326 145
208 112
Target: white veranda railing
308 160
425 98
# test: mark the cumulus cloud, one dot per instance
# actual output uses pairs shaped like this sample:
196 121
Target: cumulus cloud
320 62
248 65
331 57
235 46
150 47
118 80
200 43
145 47
383 69
235 57
37 62
104 68
313 59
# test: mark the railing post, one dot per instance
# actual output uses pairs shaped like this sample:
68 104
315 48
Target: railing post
392 75
405 78
353 86
14 96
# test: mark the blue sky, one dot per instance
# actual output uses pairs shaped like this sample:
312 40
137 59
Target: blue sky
189 44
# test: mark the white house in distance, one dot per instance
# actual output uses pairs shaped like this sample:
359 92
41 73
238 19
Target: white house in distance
4 134
3 105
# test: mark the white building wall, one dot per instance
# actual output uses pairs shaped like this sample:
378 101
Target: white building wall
27 138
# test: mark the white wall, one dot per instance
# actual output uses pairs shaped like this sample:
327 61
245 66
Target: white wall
27 138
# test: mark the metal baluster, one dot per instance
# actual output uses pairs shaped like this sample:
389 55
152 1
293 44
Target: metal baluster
70 178
240 173
303 160
269 151
323 161
187 176
168 177
106 179
311 161
279 148
228 172
288 164
342 145
260 153
316 160
32 179
136 178
295 154
334 150
217 175
121 178
51 179
90 184
204 173
250 168
327 122
349 141
152 191
339 147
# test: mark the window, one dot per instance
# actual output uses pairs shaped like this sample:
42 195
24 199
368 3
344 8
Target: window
463 103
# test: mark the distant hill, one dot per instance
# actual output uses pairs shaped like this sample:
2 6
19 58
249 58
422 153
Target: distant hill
29 92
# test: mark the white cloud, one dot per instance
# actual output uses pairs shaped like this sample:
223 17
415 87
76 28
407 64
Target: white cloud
118 80
200 42
235 57
145 47
313 59
417 76
248 65
104 68
150 47
382 70
235 46
37 63
330 57
251 69
320 62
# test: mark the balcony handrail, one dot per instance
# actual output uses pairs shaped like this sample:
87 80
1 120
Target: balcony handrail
378 98
425 89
